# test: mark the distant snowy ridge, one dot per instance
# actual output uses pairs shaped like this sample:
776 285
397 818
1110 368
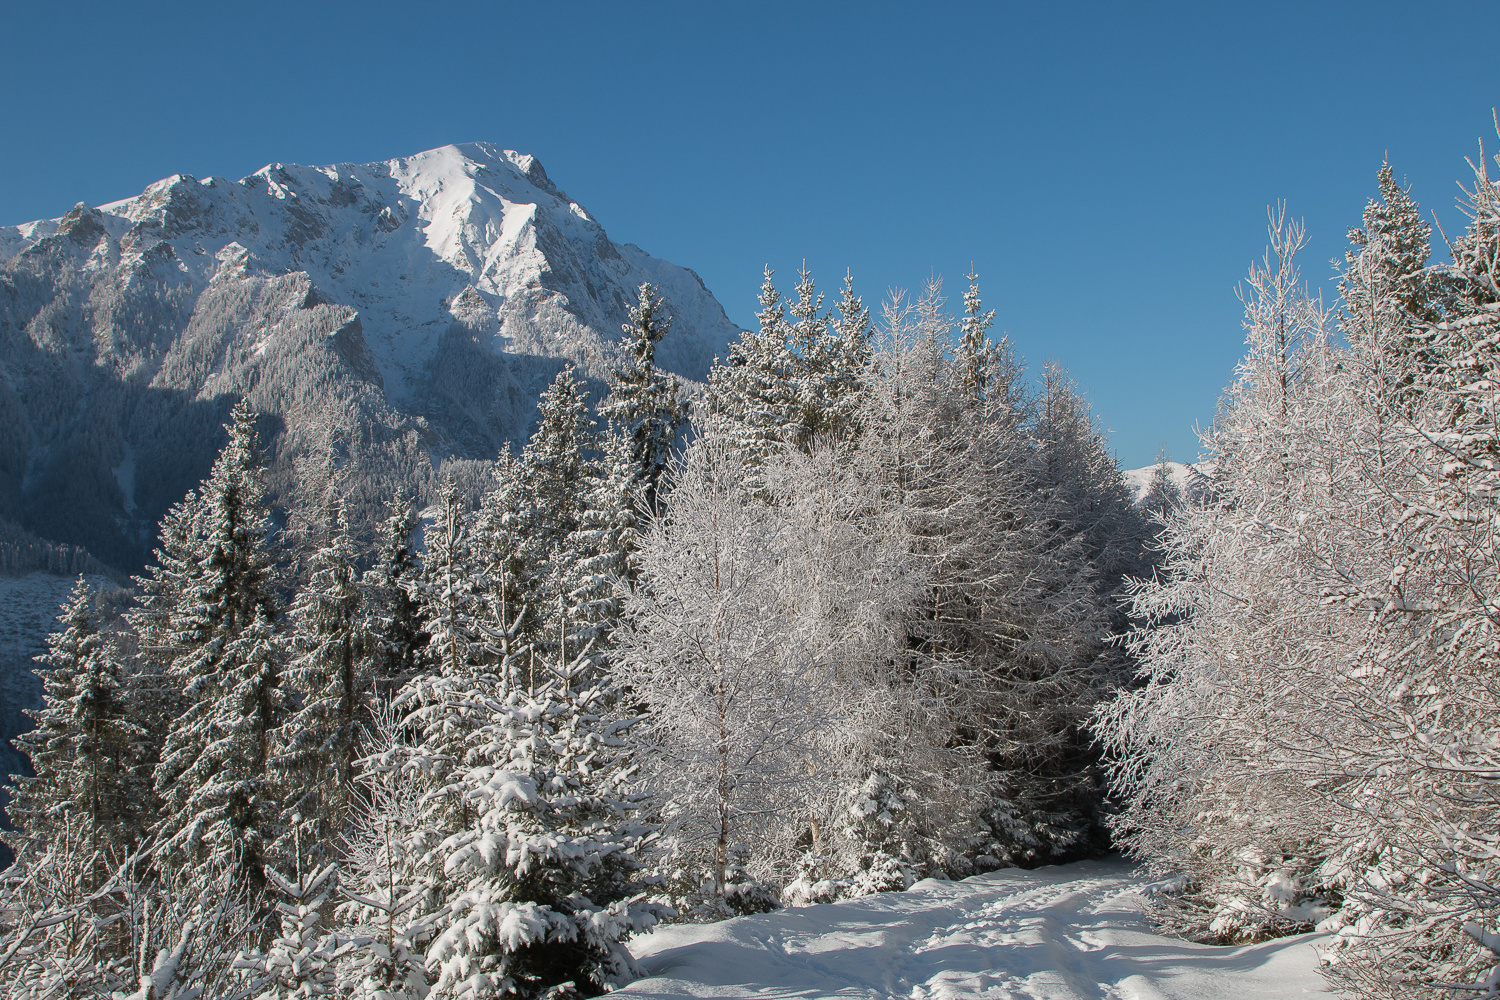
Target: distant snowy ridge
411 243
384 317
1185 479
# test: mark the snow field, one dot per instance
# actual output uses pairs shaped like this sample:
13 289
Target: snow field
1070 932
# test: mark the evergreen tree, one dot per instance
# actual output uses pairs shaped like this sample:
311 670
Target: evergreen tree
1162 495
644 403
1399 240
544 885
976 354
86 753
798 379
301 960
392 616
562 475
751 398
449 591
599 554
1004 635
558 458
220 815
1387 295
181 547
327 671
510 554
842 358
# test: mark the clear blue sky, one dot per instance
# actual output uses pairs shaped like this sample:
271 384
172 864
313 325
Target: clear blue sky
1105 166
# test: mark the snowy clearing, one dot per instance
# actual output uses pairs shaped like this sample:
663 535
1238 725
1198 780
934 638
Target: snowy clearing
1071 931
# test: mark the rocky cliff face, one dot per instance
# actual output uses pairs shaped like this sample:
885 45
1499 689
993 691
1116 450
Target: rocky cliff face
383 317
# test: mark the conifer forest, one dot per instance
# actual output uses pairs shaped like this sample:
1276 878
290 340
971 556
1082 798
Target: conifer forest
872 604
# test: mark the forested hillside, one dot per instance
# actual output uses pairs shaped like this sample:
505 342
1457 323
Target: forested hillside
381 318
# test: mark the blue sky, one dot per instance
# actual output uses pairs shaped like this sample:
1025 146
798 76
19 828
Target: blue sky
1104 166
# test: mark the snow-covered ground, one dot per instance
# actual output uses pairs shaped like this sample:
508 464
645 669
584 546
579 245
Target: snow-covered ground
1072 932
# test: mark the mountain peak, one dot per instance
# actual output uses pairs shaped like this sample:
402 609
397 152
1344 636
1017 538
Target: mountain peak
409 309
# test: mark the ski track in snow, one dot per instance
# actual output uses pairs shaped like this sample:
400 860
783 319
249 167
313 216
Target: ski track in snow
1071 932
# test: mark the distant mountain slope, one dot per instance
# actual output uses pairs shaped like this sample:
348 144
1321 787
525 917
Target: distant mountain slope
1188 480
384 317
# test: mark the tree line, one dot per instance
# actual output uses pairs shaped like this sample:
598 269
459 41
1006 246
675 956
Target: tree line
830 624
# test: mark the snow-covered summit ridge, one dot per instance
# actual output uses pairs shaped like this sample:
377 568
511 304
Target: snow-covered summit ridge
1187 480
472 232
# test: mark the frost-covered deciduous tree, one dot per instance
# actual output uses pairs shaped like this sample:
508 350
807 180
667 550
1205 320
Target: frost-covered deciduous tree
387 899
1202 747
732 693
845 553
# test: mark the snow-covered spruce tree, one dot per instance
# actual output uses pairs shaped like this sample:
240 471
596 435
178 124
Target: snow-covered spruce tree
644 404
733 696
220 816
300 960
476 665
510 557
976 353
1162 495
392 616
751 401
543 878
1088 500
1387 289
327 671
156 697
86 754
800 378
577 520
559 457
599 552
811 365
449 590
559 468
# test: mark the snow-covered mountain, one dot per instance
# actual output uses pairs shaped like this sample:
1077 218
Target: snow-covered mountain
383 316
1187 480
